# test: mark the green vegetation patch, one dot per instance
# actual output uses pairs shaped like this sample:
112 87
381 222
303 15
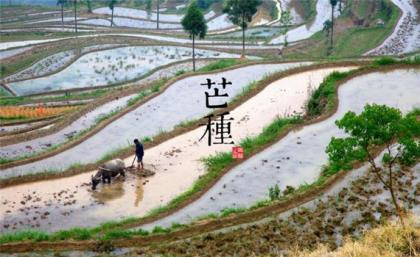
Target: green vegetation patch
220 64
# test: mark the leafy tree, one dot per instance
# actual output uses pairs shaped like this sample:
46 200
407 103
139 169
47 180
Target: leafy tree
62 3
376 127
286 21
111 5
333 4
240 12
89 5
327 28
149 7
194 23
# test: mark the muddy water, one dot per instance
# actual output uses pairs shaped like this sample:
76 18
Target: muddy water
176 163
299 157
159 114
41 144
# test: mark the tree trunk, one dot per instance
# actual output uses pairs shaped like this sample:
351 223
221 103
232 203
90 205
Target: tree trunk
157 12
243 36
394 198
193 51
332 26
112 16
62 14
75 16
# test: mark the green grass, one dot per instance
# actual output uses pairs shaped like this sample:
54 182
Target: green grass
324 96
65 97
220 64
357 41
351 42
309 9
4 93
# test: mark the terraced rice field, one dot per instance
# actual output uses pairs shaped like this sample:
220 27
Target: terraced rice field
70 102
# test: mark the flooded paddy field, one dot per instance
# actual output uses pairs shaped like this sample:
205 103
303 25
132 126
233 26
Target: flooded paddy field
87 121
299 157
149 118
297 68
170 163
109 67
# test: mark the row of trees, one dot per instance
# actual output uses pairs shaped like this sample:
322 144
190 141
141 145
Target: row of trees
240 12
111 5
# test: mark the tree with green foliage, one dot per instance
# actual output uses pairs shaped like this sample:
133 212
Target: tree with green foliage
377 127
89 5
333 4
149 8
62 3
194 23
240 12
285 21
111 5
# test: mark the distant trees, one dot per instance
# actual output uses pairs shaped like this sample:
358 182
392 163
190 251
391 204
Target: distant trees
149 7
111 5
286 21
240 12
62 3
204 4
378 126
89 5
194 23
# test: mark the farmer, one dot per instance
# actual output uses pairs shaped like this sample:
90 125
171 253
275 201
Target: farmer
139 153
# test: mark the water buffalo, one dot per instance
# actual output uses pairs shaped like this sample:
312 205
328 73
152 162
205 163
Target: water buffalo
107 171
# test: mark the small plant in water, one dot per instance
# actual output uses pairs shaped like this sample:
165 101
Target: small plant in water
274 192
288 190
